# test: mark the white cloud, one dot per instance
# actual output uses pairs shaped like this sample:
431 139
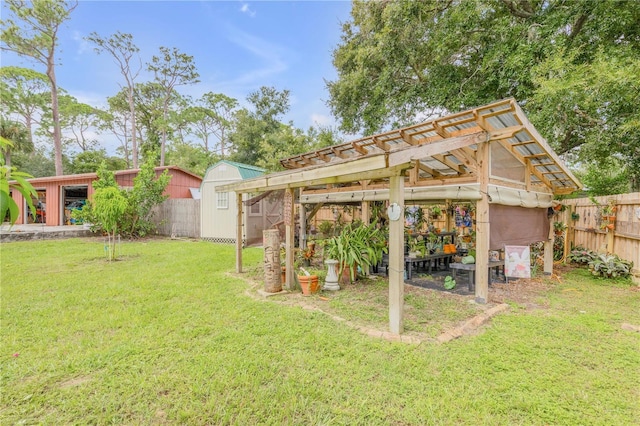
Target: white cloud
270 60
246 9
83 45
321 119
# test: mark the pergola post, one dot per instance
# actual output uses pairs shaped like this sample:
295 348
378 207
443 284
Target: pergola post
396 256
482 226
289 222
303 227
239 232
548 251
366 216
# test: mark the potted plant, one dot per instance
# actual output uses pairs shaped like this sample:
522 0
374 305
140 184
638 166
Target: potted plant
436 212
575 216
306 256
308 282
356 246
559 227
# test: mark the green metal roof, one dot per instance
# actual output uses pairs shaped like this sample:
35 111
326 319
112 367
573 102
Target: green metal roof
246 171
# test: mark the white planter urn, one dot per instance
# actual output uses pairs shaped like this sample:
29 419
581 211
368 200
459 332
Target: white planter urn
331 282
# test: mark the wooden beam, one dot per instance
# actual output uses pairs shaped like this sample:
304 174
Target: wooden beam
359 149
396 257
407 138
239 233
467 157
380 144
421 151
458 168
482 226
428 169
314 210
338 152
371 167
289 238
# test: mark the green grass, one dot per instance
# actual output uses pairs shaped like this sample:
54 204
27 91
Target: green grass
167 336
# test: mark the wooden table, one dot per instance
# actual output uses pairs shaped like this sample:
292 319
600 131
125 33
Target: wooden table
471 269
410 261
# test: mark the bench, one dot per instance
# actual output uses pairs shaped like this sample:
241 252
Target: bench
471 270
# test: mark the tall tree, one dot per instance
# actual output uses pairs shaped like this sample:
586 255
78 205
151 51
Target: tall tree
252 127
24 92
212 115
79 121
571 64
18 135
149 98
32 31
116 121
171 69
125 53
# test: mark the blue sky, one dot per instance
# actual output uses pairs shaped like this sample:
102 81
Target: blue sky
237 47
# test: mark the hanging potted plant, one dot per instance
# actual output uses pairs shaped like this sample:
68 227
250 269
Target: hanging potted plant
559 227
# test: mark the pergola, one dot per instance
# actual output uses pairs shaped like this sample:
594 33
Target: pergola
490 155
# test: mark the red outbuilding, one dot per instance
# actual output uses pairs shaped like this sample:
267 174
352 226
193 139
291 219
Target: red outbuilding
59 195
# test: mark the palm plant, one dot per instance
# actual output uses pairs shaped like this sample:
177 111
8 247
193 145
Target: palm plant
356 245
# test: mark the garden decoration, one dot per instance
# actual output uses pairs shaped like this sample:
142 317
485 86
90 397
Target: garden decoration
449 282
331 282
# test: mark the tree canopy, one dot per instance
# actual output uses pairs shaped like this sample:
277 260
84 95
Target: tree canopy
574 66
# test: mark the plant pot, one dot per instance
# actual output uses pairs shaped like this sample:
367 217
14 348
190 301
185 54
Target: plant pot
308 284
611 226
346 274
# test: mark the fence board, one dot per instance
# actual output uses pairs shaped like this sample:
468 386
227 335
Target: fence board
626 235
179 217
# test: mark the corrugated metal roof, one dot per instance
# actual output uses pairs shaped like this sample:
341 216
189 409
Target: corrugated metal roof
504 121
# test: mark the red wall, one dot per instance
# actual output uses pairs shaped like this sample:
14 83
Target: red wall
178 188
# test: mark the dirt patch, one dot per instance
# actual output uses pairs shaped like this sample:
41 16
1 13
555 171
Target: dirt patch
76 381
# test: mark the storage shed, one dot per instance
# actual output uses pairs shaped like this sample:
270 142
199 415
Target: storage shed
58 194
219 211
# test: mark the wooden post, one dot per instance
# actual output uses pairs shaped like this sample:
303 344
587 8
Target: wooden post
482 226
396 256
303 227
239 232
571 232
548 251
289 238
366 216
610 240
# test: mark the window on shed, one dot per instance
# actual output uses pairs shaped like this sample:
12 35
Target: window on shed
222 200
255 209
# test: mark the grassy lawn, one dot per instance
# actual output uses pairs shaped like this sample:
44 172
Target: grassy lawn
167 336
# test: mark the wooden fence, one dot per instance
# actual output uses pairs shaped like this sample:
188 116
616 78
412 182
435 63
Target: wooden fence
178 217
587 226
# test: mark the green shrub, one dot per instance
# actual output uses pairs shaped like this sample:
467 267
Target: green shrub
581 256
610 266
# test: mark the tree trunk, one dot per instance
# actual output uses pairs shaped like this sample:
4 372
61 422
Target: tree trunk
57 133
134 142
